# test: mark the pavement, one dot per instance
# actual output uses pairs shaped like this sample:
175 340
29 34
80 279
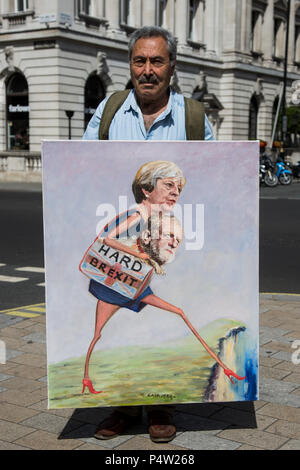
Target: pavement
272 422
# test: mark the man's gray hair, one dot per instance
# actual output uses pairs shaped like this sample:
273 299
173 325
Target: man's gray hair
151 32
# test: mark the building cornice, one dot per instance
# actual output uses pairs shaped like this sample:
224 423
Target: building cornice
225 63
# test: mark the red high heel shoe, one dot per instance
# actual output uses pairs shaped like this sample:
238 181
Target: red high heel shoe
88 383
229 372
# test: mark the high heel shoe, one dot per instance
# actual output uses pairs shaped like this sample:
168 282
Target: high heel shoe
229 372
88 383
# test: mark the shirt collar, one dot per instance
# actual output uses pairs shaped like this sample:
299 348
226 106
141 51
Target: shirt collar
131 104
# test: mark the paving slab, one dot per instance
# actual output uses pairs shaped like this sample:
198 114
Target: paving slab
271 423
11 446
292 444
43 440
204 441
15 414
255 438
279 411
142 443
90 447
51 423
285 428
272 373
11 431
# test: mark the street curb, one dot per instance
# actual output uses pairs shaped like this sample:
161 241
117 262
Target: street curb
33 187
279 296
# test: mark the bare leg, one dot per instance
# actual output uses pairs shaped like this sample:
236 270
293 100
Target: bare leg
160 303
104 312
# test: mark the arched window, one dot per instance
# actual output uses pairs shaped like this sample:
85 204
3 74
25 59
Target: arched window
253 113
94 93
17 112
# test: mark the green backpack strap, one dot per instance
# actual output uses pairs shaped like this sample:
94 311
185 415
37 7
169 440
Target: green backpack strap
194 119
194 116
112 105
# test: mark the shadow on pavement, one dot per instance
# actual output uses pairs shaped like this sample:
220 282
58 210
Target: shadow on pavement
191 417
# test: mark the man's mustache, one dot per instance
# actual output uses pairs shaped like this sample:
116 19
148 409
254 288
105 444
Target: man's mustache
149 79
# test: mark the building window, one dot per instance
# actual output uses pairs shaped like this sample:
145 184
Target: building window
17 113
255 31
193 5
253 114
86 7
21 5
279 38
125 12
196 9
94 93
297 44
161 12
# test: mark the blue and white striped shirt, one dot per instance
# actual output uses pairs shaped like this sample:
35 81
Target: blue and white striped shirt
128 122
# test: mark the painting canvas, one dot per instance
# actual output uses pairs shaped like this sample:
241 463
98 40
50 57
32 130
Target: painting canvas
151 257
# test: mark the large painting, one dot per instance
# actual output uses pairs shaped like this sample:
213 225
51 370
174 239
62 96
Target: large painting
151 255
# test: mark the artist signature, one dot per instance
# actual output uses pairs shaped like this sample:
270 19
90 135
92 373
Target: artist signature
167 396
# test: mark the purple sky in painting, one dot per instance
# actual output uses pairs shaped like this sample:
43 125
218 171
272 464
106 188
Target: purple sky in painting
220 280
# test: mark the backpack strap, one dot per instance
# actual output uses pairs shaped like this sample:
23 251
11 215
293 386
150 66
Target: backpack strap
194 116
194 119
112 105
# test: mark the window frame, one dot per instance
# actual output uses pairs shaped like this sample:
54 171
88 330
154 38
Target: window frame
25 6
17 94
253 106
160 13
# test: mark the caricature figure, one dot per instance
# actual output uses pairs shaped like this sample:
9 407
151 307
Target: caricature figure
156 188
161 249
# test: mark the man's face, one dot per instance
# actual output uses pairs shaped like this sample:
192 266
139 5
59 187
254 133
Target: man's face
150 68
163 246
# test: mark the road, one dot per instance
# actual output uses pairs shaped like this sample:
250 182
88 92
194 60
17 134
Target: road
22 243
280 239
21 246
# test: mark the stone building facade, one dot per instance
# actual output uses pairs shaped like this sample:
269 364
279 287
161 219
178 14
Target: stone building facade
66 55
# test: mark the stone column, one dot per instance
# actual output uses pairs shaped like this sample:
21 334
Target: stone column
267 33
170 16
230 25
210 26
5 7
237 26
148 12
200 24
245 32
112 14
100 8
181 21
135 13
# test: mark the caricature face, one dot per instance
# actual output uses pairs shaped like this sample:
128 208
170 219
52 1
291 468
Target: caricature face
163 243
165 194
